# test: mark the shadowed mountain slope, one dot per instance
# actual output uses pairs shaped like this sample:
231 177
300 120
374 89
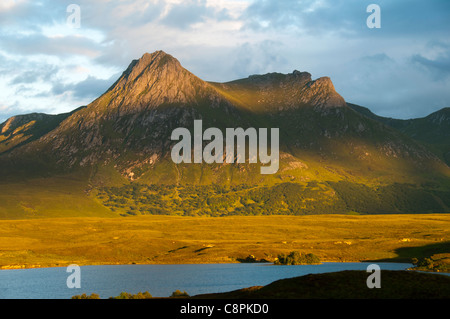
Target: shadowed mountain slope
432 130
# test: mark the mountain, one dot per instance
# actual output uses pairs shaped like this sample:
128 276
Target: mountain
432 130
22 129
112 157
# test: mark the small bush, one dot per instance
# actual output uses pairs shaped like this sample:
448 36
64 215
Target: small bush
295 258
139 295
177 294
84 296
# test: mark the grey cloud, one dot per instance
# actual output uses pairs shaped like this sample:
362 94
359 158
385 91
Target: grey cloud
7 65
377 58
10 110
6 111
304 15
91 87
39 44
391 87
146 15
116 13
37 73
258 58
185 14
348 17
439 67
30 15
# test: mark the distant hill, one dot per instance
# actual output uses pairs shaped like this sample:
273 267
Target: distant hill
112 157
432 130
22 129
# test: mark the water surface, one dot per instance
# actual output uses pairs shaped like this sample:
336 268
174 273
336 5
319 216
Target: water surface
159 280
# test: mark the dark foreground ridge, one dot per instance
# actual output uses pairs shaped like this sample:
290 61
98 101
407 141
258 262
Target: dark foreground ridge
350 284
347 285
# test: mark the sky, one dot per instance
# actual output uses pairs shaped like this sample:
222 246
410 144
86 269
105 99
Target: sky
57 55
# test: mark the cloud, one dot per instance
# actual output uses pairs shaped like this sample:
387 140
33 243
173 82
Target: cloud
392 87
399 70
348 17
187 13
439 68
5 109
89 88
9 110
112 15
258 58
271 14
36 44
438 64
28 15
40 73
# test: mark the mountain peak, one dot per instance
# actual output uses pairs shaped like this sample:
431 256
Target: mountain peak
158 59
155 79
278 91
321 92
147 63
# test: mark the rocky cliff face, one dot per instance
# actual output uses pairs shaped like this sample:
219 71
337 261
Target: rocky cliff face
321 93
153 80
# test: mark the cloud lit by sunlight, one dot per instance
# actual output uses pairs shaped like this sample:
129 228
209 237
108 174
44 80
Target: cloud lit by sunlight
47 65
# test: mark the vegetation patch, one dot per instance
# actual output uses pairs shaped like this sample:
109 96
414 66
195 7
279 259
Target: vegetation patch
435 263
280 199
296 258
250 259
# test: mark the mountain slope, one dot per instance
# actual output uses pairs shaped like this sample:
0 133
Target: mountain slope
21 129
332 158
432 130
133 120
277 92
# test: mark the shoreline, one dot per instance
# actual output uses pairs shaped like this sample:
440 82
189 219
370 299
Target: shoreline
46 266
16 267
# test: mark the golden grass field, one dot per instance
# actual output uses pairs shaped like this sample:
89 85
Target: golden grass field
169 239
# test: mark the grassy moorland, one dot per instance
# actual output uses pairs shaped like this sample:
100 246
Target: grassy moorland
174 239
